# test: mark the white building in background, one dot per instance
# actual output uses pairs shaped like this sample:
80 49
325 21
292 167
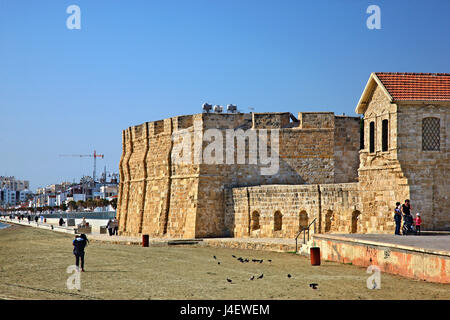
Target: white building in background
25 195
51 200
8 197
12 184
61 198
109 191
77 197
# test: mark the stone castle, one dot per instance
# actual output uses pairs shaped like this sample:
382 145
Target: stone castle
345 173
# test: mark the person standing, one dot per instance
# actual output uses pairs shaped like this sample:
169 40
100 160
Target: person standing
406 208
110 227
116 226
79 244
418 222
397 218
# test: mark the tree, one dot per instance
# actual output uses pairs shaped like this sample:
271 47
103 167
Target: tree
91 204
73 205
81 204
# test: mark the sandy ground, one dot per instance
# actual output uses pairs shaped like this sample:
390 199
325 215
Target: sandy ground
33 265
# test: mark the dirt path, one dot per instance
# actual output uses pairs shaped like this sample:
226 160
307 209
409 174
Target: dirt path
33 265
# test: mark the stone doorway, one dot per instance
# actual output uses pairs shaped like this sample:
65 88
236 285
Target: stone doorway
328 220
355 216
254 223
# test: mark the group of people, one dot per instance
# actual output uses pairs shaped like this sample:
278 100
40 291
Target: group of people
22 217
410 224
113 226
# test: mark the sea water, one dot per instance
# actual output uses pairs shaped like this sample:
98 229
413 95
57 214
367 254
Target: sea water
3 225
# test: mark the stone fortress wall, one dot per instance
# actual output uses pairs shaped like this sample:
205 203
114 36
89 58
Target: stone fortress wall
164 198
330 170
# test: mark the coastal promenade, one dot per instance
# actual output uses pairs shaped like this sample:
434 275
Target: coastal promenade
269 244
424 257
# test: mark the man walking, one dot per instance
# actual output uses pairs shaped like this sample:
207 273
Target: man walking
397 218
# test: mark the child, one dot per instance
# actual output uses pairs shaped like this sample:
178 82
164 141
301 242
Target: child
397 218
418 222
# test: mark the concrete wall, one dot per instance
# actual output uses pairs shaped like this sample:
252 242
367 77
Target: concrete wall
412 263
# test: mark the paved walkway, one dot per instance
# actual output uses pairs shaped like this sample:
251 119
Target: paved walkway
433 241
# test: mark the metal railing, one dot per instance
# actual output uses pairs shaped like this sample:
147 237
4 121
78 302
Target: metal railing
304 230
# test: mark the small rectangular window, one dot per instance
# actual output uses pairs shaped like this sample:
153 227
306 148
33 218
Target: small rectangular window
372 137
385 131
431 134
361 134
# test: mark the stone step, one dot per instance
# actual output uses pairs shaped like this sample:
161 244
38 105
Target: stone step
183 241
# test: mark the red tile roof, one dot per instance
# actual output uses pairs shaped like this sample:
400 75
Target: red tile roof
416 86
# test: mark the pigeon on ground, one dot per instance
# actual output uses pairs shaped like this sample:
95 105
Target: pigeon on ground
269 260
218 262
229 280
261 276
313 285
261 261
214 257
289 275
255 260
233 256
253 277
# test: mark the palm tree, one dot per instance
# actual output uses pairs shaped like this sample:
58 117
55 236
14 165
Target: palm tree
72 205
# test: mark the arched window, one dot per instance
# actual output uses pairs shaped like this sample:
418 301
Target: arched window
355 217
254 225
384 135
372 137
278 221
431 134
303 220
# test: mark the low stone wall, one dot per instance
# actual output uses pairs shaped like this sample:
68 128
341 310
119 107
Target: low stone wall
280 211
415 263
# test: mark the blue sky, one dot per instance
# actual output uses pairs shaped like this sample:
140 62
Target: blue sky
72 91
